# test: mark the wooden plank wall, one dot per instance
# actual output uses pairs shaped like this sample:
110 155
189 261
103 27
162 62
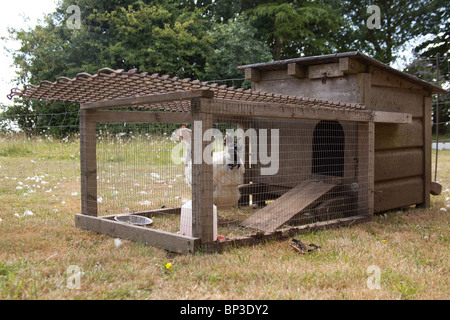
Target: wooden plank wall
402 175
343 88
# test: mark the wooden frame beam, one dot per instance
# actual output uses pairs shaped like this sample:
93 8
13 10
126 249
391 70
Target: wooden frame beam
148 99
392 117
158 238
141 116
278 110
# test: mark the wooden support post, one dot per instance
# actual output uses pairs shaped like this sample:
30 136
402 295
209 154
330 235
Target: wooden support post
427 150
244 125
366 161
202 176
364 88
88 163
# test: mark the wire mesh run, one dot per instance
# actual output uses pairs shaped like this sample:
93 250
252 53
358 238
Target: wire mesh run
137 172
267 174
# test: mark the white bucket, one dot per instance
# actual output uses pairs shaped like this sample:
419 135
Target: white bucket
186 220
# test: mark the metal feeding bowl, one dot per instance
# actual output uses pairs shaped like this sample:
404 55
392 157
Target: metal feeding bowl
134 219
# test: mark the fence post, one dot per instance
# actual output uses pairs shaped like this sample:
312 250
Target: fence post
202 176
88 163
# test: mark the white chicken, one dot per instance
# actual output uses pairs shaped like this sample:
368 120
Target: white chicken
228 169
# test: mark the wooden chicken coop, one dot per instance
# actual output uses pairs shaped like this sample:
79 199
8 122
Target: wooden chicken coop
324 142
402 159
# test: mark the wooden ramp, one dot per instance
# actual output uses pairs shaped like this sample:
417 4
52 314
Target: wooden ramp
287 206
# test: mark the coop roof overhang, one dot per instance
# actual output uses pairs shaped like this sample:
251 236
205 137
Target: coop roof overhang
108 84
344 63
110 88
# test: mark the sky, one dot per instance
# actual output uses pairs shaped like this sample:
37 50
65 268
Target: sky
19 14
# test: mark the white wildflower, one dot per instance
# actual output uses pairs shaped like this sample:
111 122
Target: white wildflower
117 242
28 213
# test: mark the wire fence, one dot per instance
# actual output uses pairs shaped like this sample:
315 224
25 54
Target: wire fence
137 171
40 171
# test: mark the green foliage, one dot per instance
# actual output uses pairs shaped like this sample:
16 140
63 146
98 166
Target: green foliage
157 39
401 21
299 27
234 45
425 69
438 26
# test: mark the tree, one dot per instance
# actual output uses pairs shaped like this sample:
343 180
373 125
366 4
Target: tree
425 69
401 21
153 36
157 38
438 25
234 44
298 28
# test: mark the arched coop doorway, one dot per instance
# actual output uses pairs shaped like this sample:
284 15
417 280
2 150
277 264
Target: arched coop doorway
328 149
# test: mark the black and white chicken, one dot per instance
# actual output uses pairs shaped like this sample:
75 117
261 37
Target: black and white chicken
228 169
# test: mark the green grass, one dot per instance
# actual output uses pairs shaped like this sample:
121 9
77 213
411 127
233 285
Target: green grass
410 247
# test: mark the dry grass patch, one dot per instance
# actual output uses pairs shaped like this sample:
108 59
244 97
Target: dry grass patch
410 247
